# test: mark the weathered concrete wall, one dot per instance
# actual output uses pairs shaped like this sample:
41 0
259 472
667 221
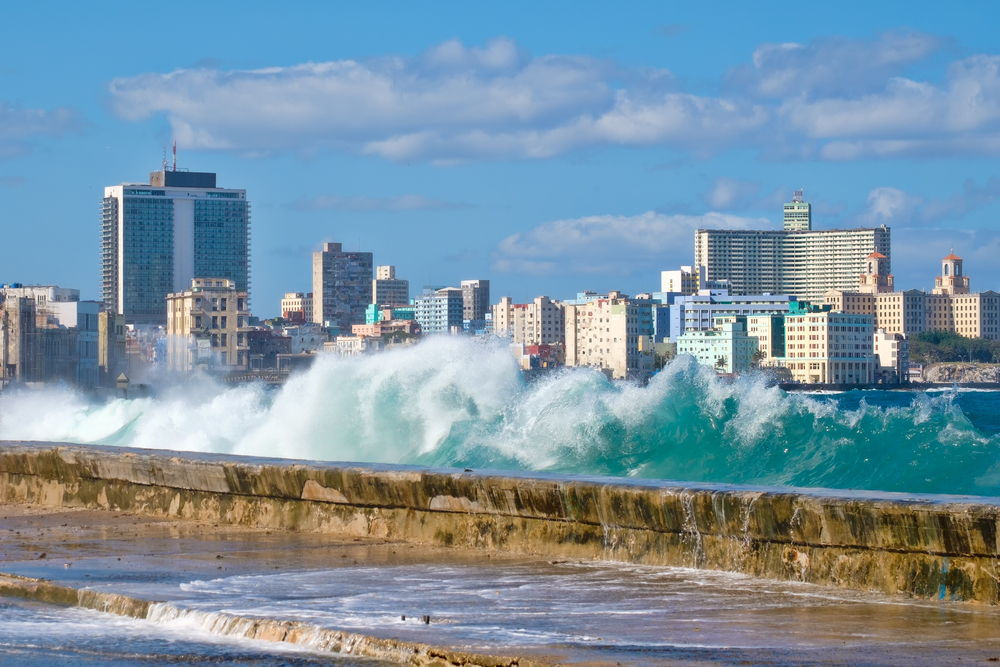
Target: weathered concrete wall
923 547
230 625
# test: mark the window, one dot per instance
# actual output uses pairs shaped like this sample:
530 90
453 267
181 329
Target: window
224 318
215 322
197 320
224 341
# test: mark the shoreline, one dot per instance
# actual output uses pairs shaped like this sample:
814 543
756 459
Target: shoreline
934 547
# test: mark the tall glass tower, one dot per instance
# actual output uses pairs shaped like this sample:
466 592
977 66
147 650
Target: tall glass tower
156 237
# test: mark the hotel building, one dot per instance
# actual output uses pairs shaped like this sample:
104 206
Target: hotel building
794 260
157 236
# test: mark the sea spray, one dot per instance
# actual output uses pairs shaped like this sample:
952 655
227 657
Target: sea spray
453 401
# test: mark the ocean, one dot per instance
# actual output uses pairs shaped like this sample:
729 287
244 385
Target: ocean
464 403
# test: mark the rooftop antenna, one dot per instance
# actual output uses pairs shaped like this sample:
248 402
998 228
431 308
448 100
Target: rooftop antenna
797 196
175 155
164 162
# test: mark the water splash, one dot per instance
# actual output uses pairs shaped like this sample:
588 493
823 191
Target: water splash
459 402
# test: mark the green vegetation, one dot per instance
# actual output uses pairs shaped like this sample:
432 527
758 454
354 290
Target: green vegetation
940 346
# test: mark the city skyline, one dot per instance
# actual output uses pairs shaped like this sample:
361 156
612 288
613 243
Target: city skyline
605 138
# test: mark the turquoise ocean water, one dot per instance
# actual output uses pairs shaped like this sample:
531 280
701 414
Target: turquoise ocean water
456 402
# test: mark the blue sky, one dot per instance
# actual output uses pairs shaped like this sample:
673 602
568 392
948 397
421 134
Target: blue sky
551 149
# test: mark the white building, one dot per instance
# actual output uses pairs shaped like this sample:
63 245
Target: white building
687 280
893 353
157 236
307 338
803 262
824 347
727 347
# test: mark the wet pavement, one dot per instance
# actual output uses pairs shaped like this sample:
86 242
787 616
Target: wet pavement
584 612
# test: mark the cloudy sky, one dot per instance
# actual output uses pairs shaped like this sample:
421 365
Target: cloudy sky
551 149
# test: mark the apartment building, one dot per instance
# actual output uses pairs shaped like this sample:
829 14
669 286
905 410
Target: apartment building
727 346
698 312
605 333
63 344
297 307
475 301
387 290
157 236
440 310
686 281
207 327
825 347
542 322
803 262
342 286
893 352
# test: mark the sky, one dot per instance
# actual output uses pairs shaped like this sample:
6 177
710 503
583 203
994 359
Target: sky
548 147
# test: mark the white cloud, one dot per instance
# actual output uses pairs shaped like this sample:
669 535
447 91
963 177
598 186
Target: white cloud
20 128
831 66
833 98
451 103
401 203
891 206
610 243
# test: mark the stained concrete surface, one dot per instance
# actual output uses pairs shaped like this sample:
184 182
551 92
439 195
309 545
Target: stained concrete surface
569 610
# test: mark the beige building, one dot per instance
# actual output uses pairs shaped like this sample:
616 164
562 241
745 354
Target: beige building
542 322
825 347
297 302
605 333
950 307
112 359
876 278
207 327
952 280
387 290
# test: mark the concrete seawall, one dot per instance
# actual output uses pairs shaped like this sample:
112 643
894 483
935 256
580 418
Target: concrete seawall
932 547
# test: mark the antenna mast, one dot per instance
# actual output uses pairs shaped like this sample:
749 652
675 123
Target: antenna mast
175 155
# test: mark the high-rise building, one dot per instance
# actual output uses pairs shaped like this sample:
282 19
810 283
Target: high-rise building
802 262
342 286
798 214
387 290
157 236
475 299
